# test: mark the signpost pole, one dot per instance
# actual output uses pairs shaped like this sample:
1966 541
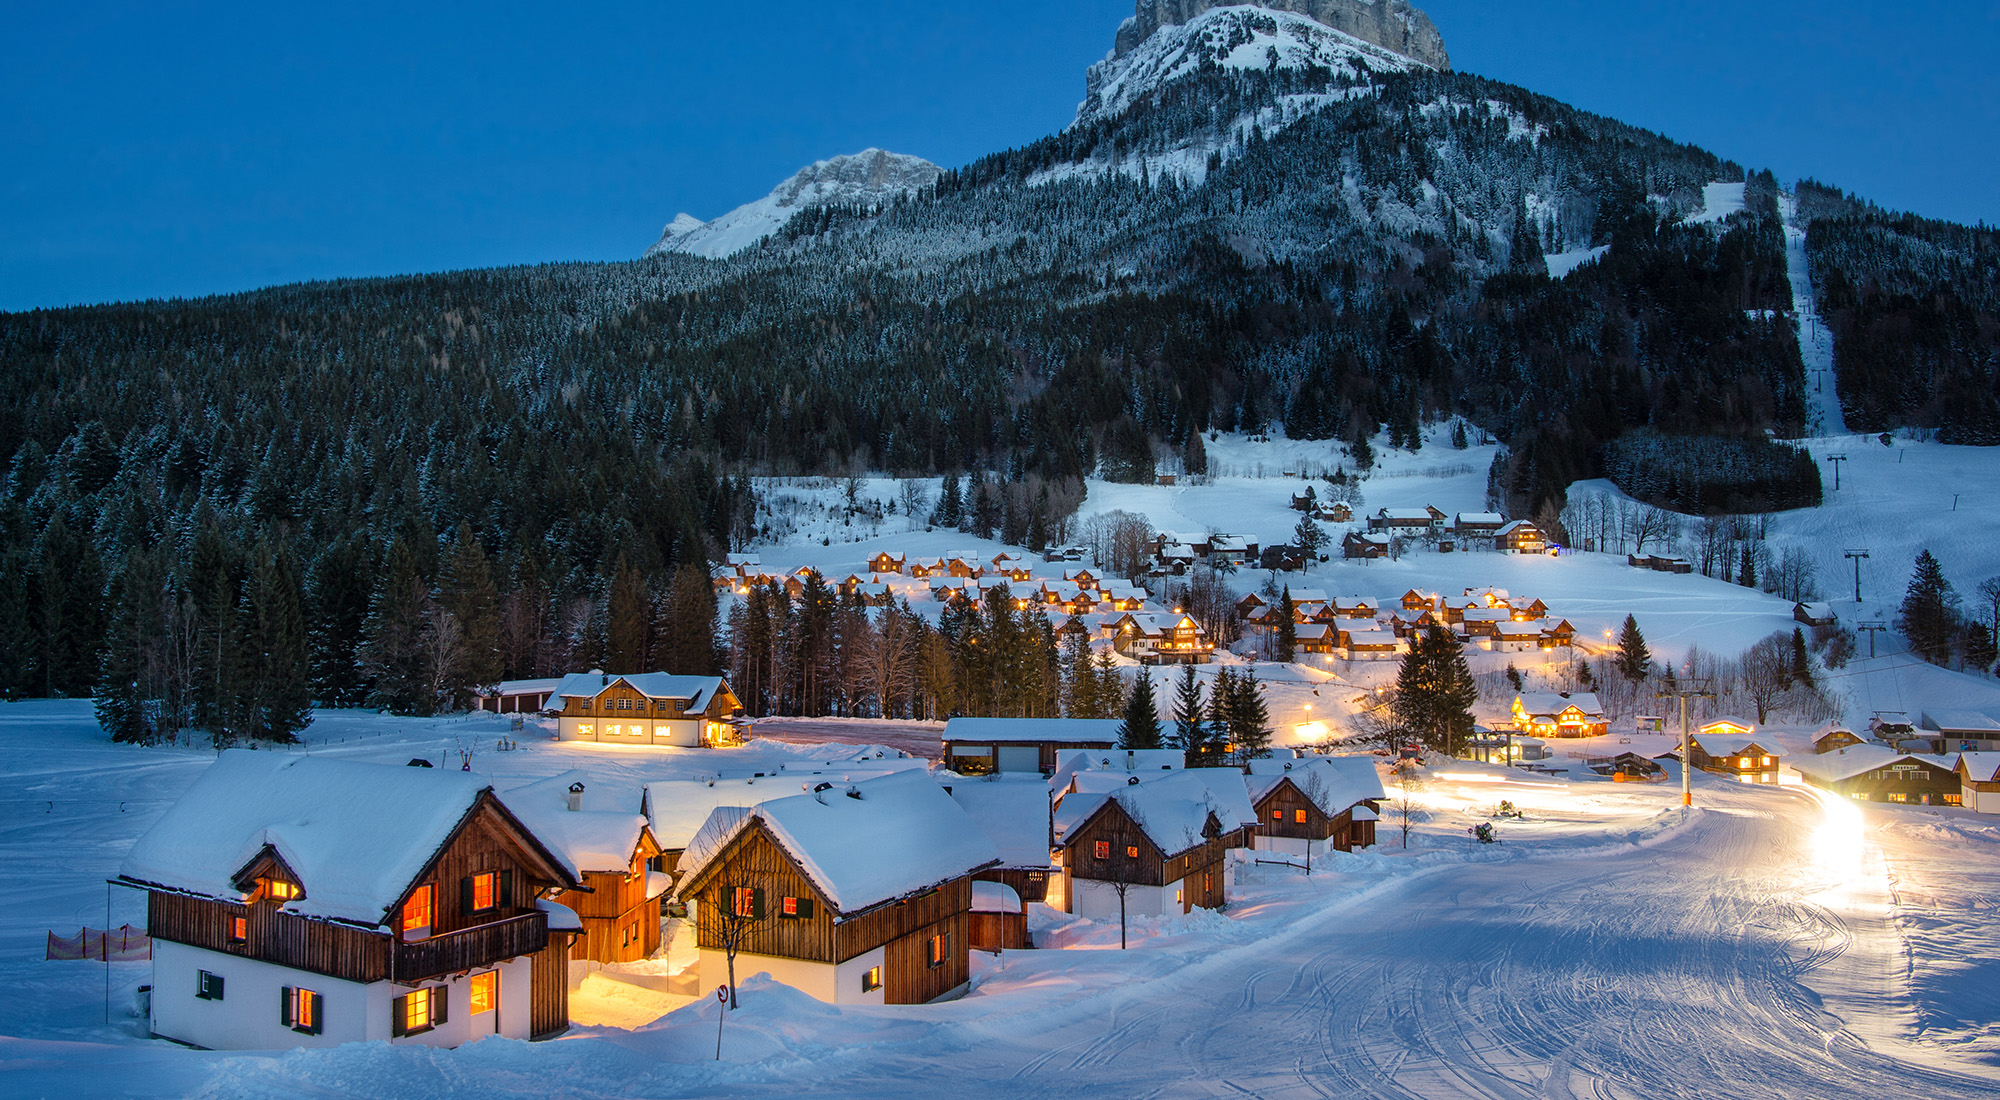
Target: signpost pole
721 1010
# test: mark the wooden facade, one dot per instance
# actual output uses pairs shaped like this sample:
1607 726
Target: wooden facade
621 700
548 1009
1133 857
903 927
999 932
1285 811
1032 883
620 923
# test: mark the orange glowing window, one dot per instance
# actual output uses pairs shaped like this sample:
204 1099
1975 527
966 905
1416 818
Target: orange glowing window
1102 849
302 1010
1131 851
239 929
485 991
485 890
279 889
1277 815
418 911
417 1010
1299 816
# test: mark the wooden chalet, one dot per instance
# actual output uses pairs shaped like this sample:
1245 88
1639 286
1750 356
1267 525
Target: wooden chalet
1979 781
1307 806
964 564
984 746
1520 537
1408 521
1477 525
1559 714
1357 545
1163 840
307 901
1315 638
1338 511
1175 639
922 568
1559 633
1832 737
1729 746
598 830
1878 773
649 708
885 562
851 893
1014 814
1815 614
1414 600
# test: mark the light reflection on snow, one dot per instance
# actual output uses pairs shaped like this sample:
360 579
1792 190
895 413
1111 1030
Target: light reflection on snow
1838 846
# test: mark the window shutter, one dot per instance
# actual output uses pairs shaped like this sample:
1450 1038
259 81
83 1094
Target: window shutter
506 898
805 908
319 1013
465 895
215 986
757 904
285 1006
440 1003
398 1015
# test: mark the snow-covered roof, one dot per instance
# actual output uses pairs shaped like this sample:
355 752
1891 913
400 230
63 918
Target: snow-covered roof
1076 731
1071 761
1983 767
600 835
561 917
1727 721
1487 614
697 690
1817 610
1171 810
1960 721
1354 624
995 897
1732 745
522 687
1856 759
1509 628
1328 787
862 844
1535 703
1423 514
1012 812
1371 637
1308 595
678 808
1311 632
1493 518
1517 525
357 835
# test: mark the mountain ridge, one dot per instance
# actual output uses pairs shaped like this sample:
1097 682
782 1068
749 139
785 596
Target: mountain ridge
870 177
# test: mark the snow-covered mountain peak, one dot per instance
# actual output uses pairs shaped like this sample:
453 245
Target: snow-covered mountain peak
1239 36
1393 25
868 177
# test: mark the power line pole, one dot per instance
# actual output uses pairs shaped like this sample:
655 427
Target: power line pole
1836 460
1684 689
1857 557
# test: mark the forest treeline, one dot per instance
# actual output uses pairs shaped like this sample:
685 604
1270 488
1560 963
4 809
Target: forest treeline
1374 263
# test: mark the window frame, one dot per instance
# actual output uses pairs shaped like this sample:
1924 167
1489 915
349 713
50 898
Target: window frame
209 986
490 880
238 930
1101 849
483 987
405 924
871 979
937 950
302 1010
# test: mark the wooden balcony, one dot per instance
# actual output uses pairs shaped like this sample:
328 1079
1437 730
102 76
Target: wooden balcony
470 948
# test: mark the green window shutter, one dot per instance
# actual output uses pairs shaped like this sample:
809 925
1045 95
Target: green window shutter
757 904
465 895
399 1011
506 897
285 1006
440 1004
319 1013
215 986
805 908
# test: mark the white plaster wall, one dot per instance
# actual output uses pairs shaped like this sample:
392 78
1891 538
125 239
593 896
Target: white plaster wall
1099 901
683 732
847 979
1985 802
814 979
248 1016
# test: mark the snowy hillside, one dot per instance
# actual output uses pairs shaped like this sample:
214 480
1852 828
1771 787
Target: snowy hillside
868 178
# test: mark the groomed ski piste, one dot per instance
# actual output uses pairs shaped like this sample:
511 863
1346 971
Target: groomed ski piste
1773 942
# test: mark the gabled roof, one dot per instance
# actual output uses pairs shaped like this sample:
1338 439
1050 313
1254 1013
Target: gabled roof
1014 815
697 690
1327 786
859 845
601 836
1961 721
357 835
1734 745
1025 730
1980 767
1855 759
1518 525
1070 762
1493 518
1173 811
678 808
1549 702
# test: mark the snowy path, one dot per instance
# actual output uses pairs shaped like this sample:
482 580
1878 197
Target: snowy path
1823 416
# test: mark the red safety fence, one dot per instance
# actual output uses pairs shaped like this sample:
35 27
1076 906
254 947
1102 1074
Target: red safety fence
121 944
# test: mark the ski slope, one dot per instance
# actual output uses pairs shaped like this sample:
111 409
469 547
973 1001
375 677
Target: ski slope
1815 340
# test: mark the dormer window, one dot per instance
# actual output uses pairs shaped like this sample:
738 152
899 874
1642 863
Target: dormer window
277 889
418 913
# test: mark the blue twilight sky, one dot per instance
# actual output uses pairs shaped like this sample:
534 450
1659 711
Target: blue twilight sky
171 149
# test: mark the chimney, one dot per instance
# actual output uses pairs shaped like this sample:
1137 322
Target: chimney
575 796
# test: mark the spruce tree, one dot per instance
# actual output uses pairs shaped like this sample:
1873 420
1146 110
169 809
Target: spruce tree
1435 692
627 612
1109 692
685 640
1249 719
1187 709
1927 611
1801 659
468 592
123 709
392 649
1635 661
1206 750
1287 647
282 686
1141 728
1980 651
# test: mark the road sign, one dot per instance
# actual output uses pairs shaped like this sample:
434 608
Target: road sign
722 993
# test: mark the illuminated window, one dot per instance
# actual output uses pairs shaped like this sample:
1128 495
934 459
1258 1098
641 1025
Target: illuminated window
1898 796
239 931
416 1011
871 979
485 991
1131 851
277 889
937 951
1277 815
586 730
1954 800
1299 817
747 902
418 911
302 1010
796 908
1768 761
485 891
1101 849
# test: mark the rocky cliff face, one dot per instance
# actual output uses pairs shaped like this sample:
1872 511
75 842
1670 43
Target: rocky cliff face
1391 24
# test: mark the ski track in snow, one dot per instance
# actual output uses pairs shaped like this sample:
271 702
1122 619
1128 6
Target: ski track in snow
1815 340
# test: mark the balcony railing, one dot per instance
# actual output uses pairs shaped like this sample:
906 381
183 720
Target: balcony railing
469 948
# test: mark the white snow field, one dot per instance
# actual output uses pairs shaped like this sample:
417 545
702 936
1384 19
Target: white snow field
1769 944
